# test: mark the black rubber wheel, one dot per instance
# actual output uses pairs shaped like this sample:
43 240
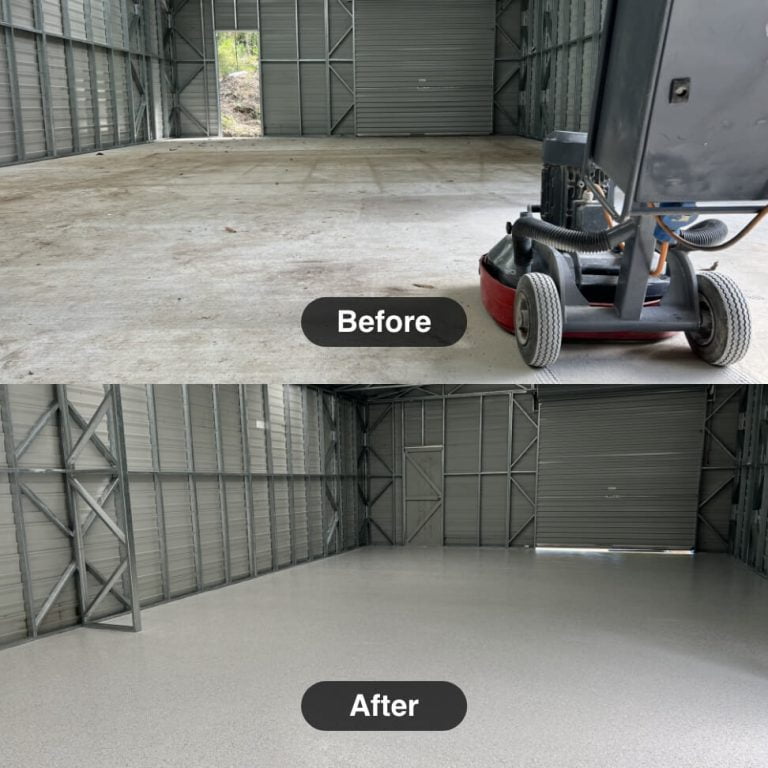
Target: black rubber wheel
726 325
538 319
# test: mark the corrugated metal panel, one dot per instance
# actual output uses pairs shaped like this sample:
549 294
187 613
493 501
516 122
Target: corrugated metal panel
257 436
179 535
117 22
493 510
462 435
7 128
280 99
461 510
424 68
146 540
311 28
203 436
433 422
202 524
282 522
315 485
295 398
238 529
247 15
278 29
124 117
22 12
106 112
256 428
176 496
62 117
262 541
282 511
98 23
40 66
77 19
211 531
136 420
52 16
314 101
232 454
85 114
138 451
49 550
413 423
208 501
30 94
495 433
13 625
224 14
277 429
620 471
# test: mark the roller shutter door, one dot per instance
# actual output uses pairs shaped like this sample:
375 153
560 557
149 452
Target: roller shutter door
424 67
620 469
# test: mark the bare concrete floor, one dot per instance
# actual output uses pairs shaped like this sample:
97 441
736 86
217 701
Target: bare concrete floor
566 660
194 260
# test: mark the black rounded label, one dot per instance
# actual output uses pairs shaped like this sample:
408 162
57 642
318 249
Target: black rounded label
384 706
384 322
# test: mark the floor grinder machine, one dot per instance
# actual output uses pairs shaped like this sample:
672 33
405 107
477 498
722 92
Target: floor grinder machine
671 124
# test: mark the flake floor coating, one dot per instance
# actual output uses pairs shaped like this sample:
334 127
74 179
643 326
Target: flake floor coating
566 660
191 260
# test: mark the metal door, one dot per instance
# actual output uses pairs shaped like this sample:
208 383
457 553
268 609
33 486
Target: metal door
423 496
620 469
424 68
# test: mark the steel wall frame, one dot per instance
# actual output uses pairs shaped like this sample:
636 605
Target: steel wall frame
530 98
74 477
188 30
394 410
122 582
748 536
140 56
721 468
331 59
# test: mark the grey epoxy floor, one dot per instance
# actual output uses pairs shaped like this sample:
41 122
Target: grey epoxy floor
566 660
122 266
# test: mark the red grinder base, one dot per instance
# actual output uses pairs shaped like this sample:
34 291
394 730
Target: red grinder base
499 302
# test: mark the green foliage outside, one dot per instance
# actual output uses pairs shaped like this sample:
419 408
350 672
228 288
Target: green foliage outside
238 52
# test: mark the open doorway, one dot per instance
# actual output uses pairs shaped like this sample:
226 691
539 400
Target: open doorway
239 91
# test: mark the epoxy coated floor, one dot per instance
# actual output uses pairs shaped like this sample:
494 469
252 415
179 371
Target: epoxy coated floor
566 660
193 261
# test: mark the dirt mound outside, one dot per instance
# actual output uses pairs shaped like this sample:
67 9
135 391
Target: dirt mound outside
240 104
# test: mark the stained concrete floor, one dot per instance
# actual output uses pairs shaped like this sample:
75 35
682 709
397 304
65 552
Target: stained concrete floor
194 260
566 660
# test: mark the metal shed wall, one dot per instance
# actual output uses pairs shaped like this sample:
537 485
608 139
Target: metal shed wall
693 485
620 469
546 60
307 67
489 466
80 75
748 524
224 482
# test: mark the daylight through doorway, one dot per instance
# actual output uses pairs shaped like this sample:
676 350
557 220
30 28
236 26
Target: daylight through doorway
239 92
